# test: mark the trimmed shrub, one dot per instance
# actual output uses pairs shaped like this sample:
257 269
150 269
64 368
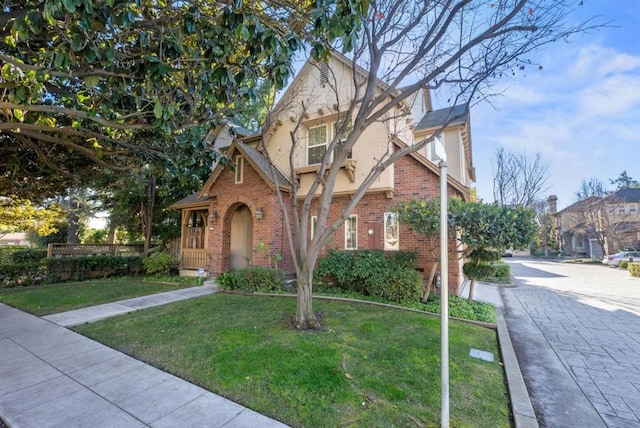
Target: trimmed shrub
160 264
497 272
335 269
28 255
22 274
634 269
252 280
7 251
81 268
389 276
623 264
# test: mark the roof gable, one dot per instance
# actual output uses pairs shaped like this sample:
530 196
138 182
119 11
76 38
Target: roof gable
257 160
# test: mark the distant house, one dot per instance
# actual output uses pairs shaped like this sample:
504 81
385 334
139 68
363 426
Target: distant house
598 225
17 238
235 219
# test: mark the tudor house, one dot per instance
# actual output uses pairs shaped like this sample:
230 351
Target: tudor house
235 220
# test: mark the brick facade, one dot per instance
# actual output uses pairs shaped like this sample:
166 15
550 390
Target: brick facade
412 181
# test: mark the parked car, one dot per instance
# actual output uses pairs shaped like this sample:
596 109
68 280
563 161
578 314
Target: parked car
615 259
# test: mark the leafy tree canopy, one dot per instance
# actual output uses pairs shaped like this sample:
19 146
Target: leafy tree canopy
82 81
19 215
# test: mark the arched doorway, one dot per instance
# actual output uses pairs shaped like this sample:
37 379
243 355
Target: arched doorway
241 237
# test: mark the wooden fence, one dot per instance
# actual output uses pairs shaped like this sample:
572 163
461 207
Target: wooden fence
80 250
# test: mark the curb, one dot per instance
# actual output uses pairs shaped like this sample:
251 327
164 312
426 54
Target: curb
523 414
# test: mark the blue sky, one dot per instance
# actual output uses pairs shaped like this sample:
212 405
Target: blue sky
581 112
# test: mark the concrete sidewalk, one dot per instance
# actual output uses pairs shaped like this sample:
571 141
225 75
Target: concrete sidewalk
108 310
53 377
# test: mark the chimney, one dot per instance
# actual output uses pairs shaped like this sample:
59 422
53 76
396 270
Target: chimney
553 204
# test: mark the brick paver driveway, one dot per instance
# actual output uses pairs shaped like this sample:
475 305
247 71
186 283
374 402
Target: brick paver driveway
589 316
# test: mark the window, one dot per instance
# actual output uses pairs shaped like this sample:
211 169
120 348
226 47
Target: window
317 144
318 140
391 232
632 208
239 168
351 233
341 139
314 221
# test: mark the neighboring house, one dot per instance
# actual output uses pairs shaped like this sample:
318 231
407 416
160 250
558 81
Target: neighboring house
235 220
18 238
597 226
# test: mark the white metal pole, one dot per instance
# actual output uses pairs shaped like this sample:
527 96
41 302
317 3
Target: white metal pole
444 297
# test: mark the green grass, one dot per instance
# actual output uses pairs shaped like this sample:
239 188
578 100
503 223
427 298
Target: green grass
370 366
52 299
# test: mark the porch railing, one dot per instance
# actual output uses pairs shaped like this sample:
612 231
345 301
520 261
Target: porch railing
194 259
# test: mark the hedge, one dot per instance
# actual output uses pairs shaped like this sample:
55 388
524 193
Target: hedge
49 271
634 269
390 276
252 280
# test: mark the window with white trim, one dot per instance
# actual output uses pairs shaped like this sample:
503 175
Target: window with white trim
317 144
391 232
239 168
351 233
318 139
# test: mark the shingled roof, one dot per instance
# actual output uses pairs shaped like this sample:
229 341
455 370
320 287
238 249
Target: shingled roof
450 116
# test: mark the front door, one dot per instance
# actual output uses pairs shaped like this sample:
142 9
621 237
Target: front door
241 238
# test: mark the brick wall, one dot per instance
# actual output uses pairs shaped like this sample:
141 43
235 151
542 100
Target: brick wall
412 181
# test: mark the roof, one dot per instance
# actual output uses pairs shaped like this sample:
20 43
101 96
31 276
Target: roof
257 160
626 195
578 206
261 162
450 116
191 200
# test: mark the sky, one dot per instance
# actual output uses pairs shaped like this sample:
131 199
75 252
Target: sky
581 112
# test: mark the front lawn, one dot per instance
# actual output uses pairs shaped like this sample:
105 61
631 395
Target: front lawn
53 299
370 366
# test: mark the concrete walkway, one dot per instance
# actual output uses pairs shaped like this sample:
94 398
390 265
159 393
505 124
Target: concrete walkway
108 310
53 377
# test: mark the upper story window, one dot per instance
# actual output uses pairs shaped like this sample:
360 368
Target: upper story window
239 168
632 208
318 139
317 144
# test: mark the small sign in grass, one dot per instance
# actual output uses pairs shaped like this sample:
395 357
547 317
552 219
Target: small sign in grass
370 366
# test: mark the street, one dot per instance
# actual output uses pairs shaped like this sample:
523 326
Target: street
576 333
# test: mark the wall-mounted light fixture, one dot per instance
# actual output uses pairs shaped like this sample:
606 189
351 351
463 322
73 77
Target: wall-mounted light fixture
260 213
213 217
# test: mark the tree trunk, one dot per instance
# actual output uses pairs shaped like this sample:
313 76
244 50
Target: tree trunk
111 238
147 213
74 228
305 319
472 284
426 289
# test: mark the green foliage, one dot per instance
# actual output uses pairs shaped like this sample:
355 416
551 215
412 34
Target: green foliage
6 252
623 264
28 255
481 227
634 269
391 277
496 272
94 81
160 264
461 308
22 274
252 280
81 268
